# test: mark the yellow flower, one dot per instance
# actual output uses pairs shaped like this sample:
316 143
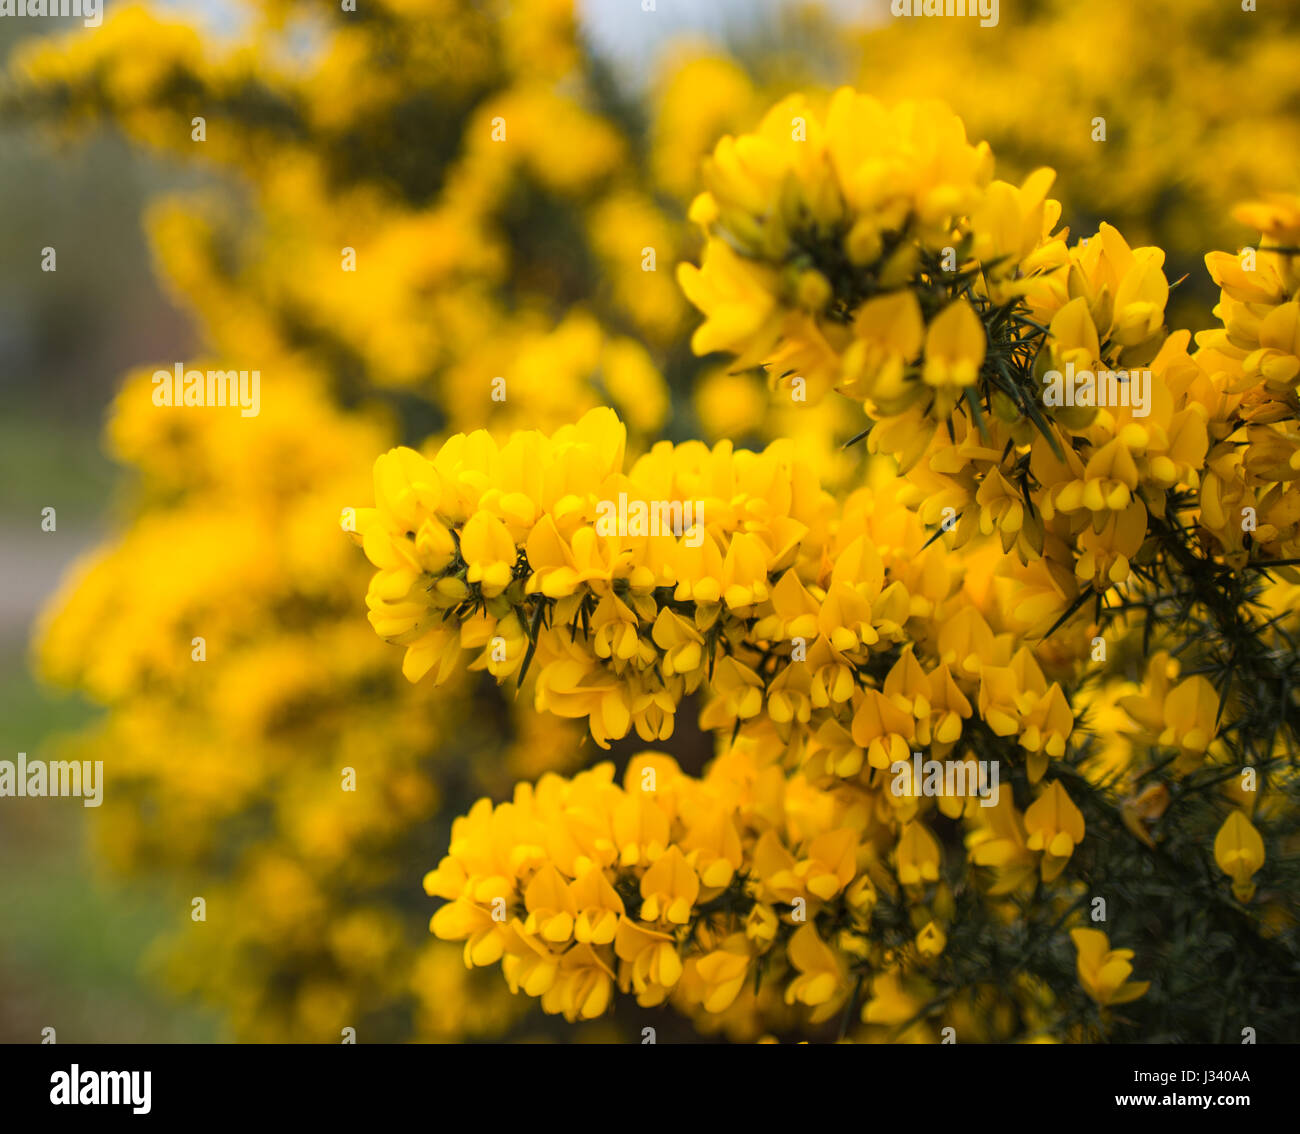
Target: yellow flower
1103 971
829 863
574 685
722 974
550 906
893 1001
583 987
1190 716
1239 851
484 935
822 983
884 729
999 842
669 889
737 297
487 548
640 829
918 856
651 966
955 345
1055 826
761 925
713 847
599 907
1108 551
930 942
1143 809
888 334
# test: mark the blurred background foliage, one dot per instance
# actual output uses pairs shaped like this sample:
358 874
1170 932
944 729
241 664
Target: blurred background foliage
476 260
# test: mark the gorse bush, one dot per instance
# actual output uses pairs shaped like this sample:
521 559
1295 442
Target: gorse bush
818 863
944 690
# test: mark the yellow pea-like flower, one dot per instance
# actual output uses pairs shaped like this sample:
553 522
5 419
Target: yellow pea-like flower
1055 826
918 856
955 345
1103 971
1239 851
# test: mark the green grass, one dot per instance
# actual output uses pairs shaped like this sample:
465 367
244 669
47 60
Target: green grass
51 465
71 947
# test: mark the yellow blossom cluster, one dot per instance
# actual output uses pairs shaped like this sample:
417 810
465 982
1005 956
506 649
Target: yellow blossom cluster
744 898
837 654
831 645
544 552
1164 159
1027 388
1250 497
913 794
1163 719
1242 147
